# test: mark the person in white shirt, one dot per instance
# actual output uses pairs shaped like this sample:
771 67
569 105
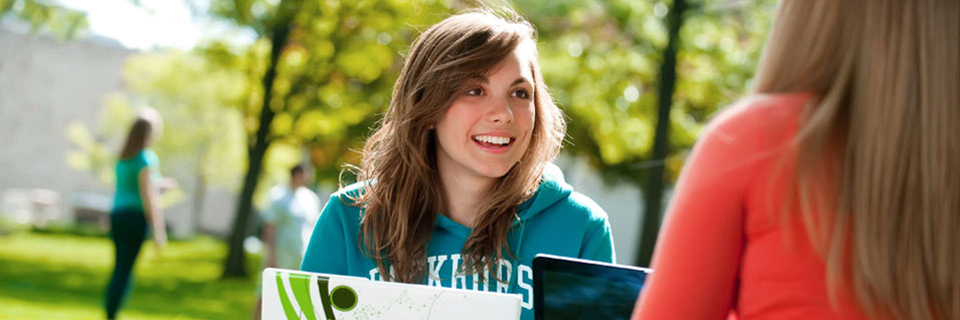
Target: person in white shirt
288 223
289 220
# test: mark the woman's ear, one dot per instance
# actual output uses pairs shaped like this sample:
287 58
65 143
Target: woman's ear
430 126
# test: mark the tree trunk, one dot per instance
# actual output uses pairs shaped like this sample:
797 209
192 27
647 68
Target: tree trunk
653 188
199 197
234 265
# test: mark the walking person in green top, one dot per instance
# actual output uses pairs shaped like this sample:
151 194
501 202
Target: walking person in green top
135 205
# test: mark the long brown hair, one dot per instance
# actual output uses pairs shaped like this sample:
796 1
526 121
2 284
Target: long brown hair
884 124
142 132
404 194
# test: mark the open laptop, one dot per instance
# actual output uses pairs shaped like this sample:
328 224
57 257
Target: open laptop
568 288
298 295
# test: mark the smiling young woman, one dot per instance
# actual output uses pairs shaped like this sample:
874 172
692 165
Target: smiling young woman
456 185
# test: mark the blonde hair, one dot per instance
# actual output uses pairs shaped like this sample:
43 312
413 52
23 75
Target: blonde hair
403 197
881 130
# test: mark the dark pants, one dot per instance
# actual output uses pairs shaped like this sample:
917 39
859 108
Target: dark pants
128 228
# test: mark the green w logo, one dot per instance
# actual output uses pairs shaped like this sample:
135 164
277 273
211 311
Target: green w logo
342 298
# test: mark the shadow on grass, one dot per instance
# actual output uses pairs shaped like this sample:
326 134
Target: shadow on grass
169 293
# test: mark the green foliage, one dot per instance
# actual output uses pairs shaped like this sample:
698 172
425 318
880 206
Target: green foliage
97 152
45 15
719 54
601 60
49 276
90 155
341 63
198 99
334 77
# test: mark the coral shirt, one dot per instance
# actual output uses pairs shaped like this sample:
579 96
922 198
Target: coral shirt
723 249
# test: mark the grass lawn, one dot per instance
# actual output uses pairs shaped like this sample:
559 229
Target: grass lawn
58 276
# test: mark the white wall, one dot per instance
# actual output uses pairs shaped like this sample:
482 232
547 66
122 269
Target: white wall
45 85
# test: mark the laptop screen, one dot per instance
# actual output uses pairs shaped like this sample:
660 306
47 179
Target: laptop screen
566 288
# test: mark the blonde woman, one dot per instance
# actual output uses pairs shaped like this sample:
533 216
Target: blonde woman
457 187
832 192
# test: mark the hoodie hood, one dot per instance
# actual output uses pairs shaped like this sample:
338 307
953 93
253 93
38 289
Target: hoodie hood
552 189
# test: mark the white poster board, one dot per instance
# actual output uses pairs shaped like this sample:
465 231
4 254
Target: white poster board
298 295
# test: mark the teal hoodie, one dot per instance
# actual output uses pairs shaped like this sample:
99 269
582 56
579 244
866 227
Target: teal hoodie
556 220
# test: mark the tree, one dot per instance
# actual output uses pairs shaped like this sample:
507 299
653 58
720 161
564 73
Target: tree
653 197
277 29
330 69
